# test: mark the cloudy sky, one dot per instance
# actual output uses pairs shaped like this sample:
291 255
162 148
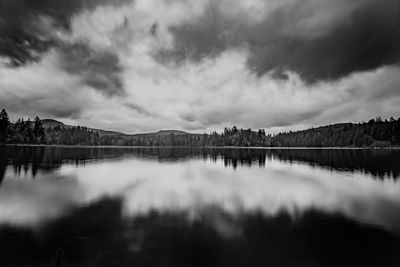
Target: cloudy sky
200 65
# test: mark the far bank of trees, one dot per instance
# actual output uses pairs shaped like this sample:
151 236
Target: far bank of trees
33 132
374 133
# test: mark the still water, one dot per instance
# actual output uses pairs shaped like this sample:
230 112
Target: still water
63 206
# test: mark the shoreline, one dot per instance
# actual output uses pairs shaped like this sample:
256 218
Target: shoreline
215 147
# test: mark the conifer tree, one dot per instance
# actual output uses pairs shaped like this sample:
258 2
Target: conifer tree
4 122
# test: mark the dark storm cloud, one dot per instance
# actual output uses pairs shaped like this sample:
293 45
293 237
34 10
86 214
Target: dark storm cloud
320 40
367 39
197 40
99 69
23 38
20 47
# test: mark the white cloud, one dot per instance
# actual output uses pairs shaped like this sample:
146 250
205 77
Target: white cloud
200 96
42 89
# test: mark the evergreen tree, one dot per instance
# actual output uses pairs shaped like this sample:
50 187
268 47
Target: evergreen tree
4 122
38 131
27 132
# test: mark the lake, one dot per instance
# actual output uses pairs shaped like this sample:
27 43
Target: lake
115 206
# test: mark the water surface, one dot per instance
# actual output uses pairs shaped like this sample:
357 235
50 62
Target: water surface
64 206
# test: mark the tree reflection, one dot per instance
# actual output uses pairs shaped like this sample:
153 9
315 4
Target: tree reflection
380 163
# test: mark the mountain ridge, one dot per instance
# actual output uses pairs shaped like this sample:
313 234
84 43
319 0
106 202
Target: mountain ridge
51 123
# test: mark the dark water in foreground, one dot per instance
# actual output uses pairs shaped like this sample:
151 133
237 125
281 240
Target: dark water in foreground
198 207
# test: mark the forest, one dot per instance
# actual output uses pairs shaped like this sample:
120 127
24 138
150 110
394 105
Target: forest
374 133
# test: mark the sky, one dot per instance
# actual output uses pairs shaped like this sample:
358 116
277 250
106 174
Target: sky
200 65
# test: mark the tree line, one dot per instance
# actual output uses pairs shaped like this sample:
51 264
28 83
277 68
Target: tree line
374 133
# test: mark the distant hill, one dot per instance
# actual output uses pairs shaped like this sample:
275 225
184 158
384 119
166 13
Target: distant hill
164 133
106 132
51 123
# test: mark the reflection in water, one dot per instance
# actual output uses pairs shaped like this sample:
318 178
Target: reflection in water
193 185
188 207
99 235
380 163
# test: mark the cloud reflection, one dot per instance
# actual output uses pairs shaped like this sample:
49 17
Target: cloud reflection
195 185
24 201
